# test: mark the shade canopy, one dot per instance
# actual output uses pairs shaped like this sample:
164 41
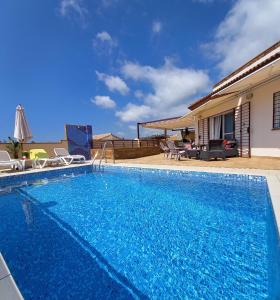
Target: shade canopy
187 120
179 122
22 131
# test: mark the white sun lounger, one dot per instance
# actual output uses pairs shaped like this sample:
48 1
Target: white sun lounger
40 158
42 162
67 158
6 161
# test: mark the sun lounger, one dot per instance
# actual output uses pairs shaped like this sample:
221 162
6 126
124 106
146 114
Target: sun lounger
215 149
67 158
6 161
41 158
165 149
175 151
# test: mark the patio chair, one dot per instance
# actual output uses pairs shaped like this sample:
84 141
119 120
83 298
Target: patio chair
41 158
190 151
231 148
67 158
6 161
215 149
165 149
175 151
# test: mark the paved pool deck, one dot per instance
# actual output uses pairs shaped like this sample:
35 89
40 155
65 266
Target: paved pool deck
262 163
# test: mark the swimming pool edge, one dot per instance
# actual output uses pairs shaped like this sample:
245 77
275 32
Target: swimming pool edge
272 179
8 287
272 176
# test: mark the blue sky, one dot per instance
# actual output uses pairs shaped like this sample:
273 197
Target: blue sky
111 63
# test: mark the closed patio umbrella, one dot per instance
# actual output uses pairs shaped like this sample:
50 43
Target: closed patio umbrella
22 132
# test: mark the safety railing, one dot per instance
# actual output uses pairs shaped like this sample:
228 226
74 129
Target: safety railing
119 144
98 166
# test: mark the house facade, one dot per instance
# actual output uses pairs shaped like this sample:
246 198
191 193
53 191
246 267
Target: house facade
243 107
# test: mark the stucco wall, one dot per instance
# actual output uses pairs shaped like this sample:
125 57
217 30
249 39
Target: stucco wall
264 140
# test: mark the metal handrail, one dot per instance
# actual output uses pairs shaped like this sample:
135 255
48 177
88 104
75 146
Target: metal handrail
102 154
101 158
128 143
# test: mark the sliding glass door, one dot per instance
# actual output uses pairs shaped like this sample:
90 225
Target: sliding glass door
222 127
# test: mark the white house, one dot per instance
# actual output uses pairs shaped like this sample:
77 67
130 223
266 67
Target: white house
244 106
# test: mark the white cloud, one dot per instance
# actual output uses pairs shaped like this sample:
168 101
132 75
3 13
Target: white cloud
72 6
114 83
172 87
250 27
157 26
104 101
134 112
139 94
105 37
104 43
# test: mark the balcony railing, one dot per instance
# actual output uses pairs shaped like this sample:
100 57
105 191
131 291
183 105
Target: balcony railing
119 144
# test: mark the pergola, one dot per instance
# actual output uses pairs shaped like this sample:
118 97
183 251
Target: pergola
187 120
175 123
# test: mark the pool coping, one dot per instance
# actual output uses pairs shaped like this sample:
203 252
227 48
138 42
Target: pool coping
8 287
44 170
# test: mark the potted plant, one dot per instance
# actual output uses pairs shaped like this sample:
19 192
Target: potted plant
25 154
14 147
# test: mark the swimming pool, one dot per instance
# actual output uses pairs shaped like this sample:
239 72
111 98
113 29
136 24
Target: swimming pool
134 233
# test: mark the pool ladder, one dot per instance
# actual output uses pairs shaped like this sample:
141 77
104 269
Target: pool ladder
98 166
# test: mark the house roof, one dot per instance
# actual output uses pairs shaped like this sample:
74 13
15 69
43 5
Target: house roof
207 98
250 62
264 66
105 136
263 59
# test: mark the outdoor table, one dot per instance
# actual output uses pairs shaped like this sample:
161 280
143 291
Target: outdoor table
26 163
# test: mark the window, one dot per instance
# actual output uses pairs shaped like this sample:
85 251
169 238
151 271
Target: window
222 127
276 110
228 126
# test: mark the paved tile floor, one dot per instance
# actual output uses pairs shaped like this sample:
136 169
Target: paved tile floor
263 163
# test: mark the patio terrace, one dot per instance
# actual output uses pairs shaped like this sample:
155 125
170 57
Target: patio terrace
261 163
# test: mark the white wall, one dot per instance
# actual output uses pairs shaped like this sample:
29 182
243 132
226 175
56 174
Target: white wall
264 140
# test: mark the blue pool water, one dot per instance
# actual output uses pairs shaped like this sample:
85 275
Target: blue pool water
132 233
